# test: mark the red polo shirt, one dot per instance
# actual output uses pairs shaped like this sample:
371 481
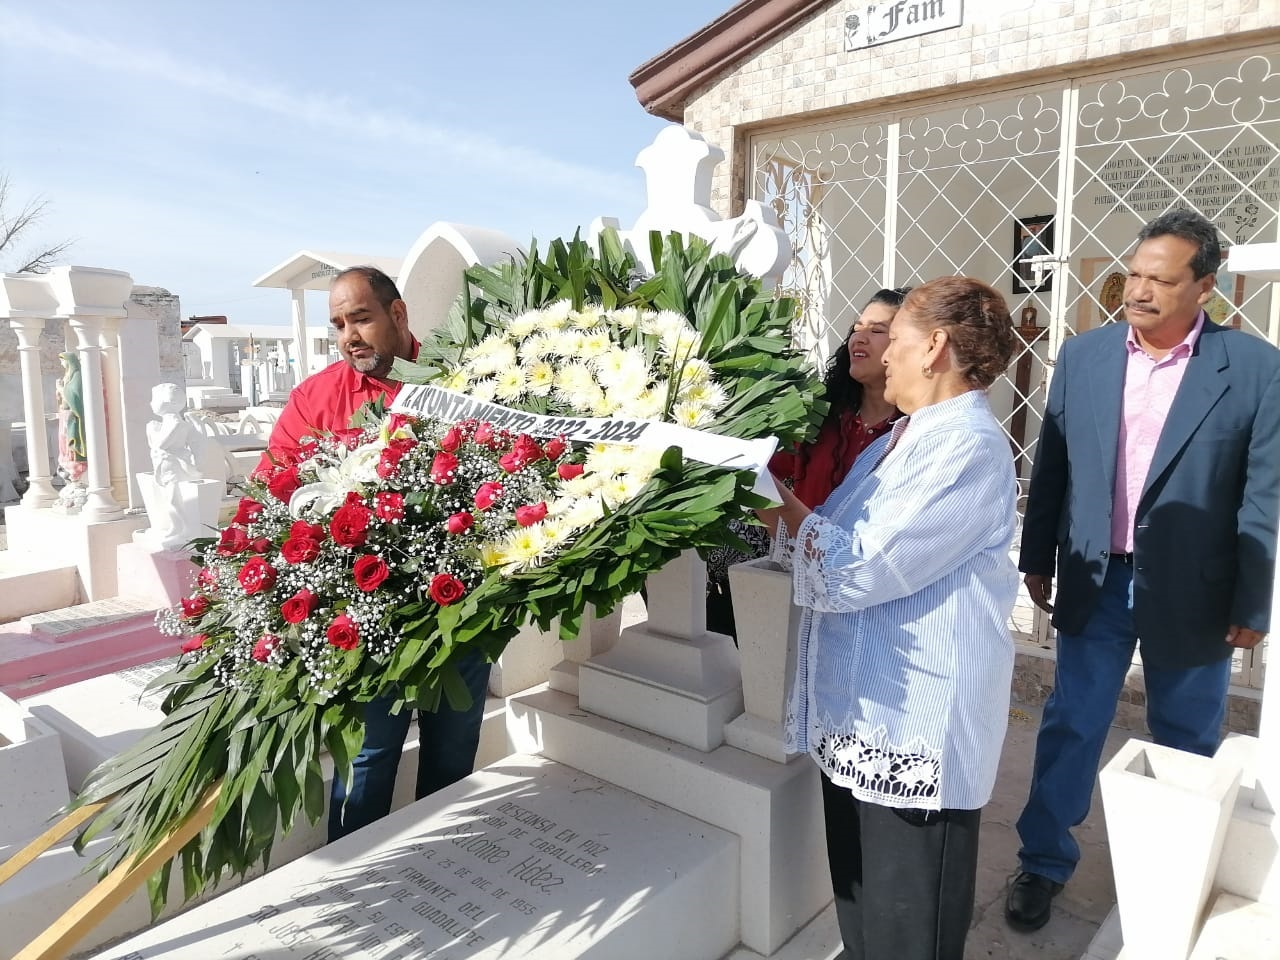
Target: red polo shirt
325 402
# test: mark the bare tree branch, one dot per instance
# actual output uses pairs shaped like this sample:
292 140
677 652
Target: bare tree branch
13 227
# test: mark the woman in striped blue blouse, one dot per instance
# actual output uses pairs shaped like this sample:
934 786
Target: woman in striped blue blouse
902 685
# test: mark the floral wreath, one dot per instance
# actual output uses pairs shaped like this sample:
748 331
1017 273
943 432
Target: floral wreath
385 553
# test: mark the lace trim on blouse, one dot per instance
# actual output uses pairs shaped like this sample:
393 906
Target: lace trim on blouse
879 771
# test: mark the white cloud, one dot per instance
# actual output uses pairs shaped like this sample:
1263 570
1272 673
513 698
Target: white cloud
338 116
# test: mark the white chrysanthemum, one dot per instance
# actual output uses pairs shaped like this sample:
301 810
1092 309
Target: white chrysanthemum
455 379
510 384
491 355
584 400
624 318
695 371
615 365
483 389
584 512
555 531
648 405
709 395
537 346
622 489
586 318
595 343
575 378
604 406
566 343
586 485
681 345
540 377
525 324
556 315
689 414
525 545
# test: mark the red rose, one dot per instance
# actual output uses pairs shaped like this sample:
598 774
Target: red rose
307 531
459 523
484 434
300 550
398 420
567 471
524 452
531 514
193 607
260 545
387 466
350 524
487 495
446 589
443 468
233 540
389 507
343 633
451 440
256 575
298 607
248 511
512 461
262 649
353 498
192 644
398 448
556 448
369 572
284 483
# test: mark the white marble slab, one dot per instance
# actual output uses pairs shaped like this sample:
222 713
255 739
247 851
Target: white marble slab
527 858
100 717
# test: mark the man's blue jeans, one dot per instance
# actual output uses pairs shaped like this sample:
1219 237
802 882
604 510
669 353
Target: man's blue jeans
446 753
1185 710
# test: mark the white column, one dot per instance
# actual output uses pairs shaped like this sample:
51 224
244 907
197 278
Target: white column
40 492
109 340
299 315
99 503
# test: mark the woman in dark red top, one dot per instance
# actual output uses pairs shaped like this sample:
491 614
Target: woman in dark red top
859 412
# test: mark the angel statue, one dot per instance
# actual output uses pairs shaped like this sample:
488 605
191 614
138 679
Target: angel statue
171 492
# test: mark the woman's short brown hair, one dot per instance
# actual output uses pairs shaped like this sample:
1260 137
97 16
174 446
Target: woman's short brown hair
976 318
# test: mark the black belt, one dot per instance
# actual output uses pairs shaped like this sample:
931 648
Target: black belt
1125 558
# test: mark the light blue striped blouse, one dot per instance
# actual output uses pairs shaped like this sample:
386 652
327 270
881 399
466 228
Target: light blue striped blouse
905 657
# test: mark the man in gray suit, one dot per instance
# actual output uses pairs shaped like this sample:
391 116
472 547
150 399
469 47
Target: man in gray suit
1155 488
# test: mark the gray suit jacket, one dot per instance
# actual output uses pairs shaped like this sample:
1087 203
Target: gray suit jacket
1205 531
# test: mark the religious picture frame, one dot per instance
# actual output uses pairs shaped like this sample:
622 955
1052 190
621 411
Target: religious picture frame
1032 237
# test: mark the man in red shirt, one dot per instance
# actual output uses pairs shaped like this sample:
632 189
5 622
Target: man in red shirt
372 326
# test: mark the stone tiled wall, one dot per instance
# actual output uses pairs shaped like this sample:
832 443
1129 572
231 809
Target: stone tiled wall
808 71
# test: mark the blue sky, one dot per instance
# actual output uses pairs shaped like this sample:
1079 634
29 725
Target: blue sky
199 144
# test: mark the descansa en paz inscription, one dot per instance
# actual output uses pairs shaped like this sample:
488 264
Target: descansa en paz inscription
513 863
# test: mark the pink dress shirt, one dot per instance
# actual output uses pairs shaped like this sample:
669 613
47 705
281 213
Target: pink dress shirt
1149 388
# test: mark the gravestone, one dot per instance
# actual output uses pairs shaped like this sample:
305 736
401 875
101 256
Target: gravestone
98 718
55 625
528 858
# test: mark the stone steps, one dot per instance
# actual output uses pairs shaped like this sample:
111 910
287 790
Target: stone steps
31 584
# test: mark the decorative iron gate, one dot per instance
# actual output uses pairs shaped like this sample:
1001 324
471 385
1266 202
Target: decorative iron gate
1040 192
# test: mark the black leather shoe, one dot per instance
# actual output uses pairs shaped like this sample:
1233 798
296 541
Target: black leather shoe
1028 905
